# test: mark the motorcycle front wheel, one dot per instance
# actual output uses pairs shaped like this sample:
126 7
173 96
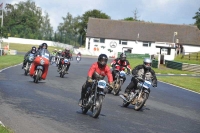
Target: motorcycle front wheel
141 101
97 107
117 89
38 76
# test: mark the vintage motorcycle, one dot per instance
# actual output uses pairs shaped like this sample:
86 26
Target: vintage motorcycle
39 67
29 59
58 60
53 59
119 79
78 58
94 98
139 96
64 63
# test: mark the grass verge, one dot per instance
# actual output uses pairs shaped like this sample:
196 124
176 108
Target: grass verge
162 69
10 60
192 83
27 47
5 130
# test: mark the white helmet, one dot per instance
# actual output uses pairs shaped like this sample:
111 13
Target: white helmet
147 63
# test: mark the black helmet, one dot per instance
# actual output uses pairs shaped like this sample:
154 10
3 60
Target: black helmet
102 60
123 56
147 63
33 50
44 45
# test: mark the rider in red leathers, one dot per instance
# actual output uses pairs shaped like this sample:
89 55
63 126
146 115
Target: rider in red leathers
65 54
120 64
99 69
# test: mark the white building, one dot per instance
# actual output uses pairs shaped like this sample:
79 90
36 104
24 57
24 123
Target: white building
113 36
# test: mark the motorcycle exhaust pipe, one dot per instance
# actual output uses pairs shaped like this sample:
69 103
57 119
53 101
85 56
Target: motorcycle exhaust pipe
123 98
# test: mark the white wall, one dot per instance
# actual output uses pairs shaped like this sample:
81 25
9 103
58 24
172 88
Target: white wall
137 47
36 42
188 48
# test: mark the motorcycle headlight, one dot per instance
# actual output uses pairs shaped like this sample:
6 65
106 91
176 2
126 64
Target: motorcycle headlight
42 62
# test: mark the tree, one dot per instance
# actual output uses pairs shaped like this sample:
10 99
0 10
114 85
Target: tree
197 17
25 20
84 20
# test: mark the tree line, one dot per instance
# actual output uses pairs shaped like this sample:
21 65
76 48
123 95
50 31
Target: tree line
25 20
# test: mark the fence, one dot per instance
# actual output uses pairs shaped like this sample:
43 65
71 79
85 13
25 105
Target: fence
191 55
183 66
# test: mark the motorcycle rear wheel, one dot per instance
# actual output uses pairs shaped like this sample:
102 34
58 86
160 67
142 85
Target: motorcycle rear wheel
85 109
97 107
140 103
125 103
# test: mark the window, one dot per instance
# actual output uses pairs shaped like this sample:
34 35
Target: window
146 44
96 40
99 40
102 40
123 42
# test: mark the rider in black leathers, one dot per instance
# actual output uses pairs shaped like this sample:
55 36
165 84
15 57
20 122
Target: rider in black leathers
33 51
144 71
43 46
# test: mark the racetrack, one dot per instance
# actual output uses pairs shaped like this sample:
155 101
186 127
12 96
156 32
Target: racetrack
51 106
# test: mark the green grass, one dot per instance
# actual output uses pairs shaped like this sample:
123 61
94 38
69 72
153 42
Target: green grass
162 69
191 83
27 47
9 60
186 60
5 130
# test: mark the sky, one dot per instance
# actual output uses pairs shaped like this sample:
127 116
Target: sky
156 11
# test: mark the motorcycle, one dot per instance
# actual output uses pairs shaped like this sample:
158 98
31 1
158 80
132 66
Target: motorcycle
94 98
39 67
64 62
58 60
78 58
29 59
53 59
119 79
140 96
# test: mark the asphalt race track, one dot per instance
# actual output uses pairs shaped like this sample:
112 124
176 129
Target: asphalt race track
51 106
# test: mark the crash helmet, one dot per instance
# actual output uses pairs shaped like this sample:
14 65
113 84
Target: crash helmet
55 50
102 60
123 56
147 63
59 51
44 45
33 50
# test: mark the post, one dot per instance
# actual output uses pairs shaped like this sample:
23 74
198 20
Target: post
1 6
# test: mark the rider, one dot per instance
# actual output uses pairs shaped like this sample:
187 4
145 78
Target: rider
143 71
79 54
99 69
65 54
42 46
32 51
42 52
120 64
54 52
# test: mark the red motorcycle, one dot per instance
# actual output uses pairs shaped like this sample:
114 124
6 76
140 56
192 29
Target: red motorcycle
40 65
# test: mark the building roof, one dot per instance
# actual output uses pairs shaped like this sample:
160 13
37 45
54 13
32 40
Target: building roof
142 31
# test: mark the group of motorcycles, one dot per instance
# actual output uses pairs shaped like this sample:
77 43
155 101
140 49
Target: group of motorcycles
95 94
37 67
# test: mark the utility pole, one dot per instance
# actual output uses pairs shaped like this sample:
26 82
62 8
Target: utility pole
1 8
